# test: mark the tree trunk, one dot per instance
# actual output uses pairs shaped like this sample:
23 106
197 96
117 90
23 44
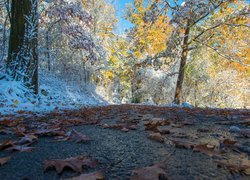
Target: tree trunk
178 91
4 39
22 62
48 44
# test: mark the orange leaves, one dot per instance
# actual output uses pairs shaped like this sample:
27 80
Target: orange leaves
149 173
74 163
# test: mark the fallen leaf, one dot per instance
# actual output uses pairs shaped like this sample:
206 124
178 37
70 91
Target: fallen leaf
4 160
105 126
6 131
245 133
90 176
152 126
62 138
156 137
234 167
149 173
20 130
75 163
27 139
177 125
204 148
6 144
188 122
124 130
50 132
203 130
133 127
183 144
10 123
20 148
78 137
164 130
70 122
125 127
228 142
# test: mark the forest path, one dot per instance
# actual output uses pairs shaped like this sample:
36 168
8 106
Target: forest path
189 143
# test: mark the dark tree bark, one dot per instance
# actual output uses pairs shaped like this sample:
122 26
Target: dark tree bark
184 54
22 62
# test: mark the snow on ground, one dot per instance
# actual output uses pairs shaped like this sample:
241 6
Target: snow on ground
55 94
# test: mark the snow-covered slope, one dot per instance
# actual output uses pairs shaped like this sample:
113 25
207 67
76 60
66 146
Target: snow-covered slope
55 94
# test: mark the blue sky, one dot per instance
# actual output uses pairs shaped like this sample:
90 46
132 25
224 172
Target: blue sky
120 6
123 24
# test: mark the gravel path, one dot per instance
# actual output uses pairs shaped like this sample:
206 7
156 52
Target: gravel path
120 152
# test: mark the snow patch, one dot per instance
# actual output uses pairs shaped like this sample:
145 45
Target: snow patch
54 94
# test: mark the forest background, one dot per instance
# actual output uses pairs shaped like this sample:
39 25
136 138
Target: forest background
171 51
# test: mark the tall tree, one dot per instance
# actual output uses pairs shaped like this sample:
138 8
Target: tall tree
22 63
193 29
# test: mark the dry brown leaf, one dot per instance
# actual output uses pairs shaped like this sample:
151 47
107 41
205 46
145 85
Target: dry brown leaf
188 122
20 148
152 126
78 137
90 176
203 130
70 122
75 163
6 131
4 160
245 133
156 137
133 127
233 167
105 126
228 142
124 130
6 144
149 173
183 144
204 148
117 126
10 123
54 131
20 130
178 125
27 139
164 130
125 126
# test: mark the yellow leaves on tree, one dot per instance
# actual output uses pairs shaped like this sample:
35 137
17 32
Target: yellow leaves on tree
233 37
150 37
